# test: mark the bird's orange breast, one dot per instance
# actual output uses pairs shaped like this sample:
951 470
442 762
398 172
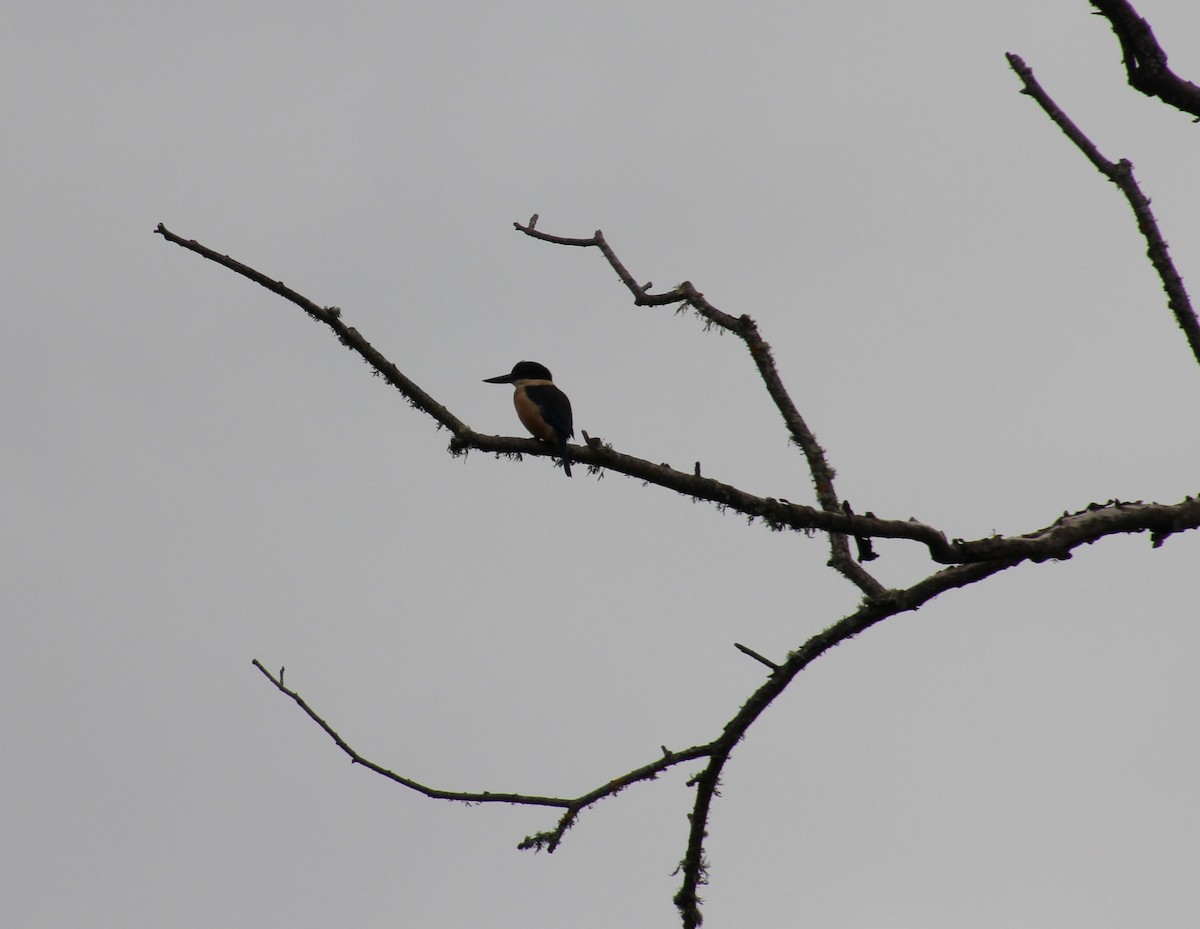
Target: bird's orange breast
531 416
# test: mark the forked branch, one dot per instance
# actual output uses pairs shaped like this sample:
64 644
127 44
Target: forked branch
1056 540
717 752
969 562
745 329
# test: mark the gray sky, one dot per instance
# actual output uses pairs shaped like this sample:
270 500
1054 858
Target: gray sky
197 475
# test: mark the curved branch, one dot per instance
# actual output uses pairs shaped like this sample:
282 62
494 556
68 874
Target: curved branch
573 806
694 866
1144 59
1072 530
1121 174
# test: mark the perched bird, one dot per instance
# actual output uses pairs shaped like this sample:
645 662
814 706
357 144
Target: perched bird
542 408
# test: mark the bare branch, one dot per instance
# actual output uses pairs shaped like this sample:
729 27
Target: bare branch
694 866
706 782
1090 524
1144 59
573 806
745 329
331 317
967 562
1121 174
1053 541
971 561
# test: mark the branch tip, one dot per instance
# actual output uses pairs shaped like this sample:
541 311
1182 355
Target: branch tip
756 656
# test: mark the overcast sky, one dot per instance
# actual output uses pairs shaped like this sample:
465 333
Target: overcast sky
197 475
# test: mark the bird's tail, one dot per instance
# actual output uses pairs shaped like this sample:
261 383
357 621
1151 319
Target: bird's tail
565 455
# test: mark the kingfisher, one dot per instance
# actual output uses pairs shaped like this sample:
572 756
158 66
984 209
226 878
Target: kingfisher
542 408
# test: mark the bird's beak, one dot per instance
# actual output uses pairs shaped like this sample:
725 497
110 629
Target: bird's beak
500 379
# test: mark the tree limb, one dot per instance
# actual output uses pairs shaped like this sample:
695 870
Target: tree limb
1053 541
968 561
706 782
1121 174
331 316
1144 59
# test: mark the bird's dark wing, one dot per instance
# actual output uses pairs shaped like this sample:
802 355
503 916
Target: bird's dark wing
555 409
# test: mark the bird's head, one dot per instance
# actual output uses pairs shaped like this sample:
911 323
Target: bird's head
522 371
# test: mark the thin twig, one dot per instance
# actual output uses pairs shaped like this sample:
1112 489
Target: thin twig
572 805
756 656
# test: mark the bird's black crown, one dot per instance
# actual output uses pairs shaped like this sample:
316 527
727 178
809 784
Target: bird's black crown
530 370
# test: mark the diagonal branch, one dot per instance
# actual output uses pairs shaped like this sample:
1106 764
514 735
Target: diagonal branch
331 316
742 326
1145 60
745 329
1121 174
